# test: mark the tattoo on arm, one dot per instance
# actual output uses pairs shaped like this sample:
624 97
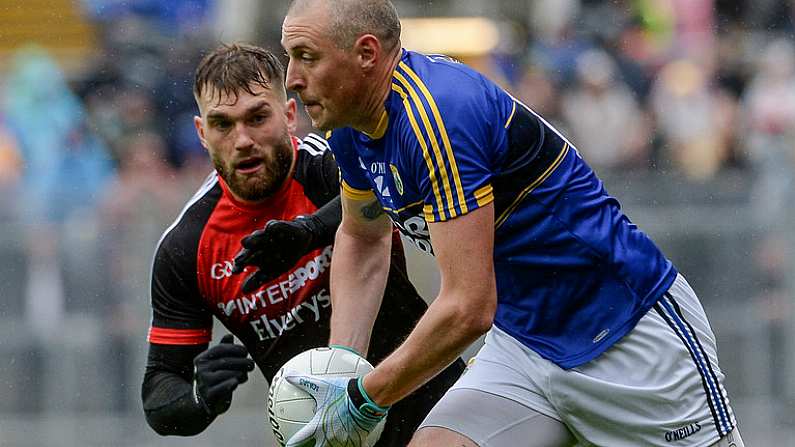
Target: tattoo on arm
372 210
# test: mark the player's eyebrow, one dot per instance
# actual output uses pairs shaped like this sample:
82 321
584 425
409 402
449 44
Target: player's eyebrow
299 44
253 108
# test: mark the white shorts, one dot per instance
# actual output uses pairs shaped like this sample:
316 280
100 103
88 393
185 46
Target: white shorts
660 385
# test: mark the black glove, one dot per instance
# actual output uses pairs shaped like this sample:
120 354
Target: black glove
217 372
275 248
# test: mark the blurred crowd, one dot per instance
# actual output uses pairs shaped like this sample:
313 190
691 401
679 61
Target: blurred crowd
96 162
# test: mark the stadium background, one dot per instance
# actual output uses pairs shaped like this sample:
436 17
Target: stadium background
686 108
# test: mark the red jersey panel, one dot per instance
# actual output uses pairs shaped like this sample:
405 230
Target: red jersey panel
294 298
192 280
192 276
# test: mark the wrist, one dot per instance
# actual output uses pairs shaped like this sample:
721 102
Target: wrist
361 400
346 348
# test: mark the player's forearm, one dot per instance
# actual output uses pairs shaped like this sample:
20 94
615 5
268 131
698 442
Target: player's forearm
359 270
169 406
441 335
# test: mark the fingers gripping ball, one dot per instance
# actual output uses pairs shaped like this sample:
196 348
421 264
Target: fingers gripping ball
290 408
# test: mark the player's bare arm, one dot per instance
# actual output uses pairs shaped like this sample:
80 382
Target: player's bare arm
359 270
463 310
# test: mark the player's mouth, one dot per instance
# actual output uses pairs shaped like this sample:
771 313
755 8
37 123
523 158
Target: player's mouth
249 165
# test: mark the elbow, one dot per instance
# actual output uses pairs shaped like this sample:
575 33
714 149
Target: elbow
476 318
164 428
156 424
482 323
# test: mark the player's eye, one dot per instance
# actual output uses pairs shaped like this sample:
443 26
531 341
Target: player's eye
222 125
259 118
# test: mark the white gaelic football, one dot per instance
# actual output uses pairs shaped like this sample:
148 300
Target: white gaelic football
290 408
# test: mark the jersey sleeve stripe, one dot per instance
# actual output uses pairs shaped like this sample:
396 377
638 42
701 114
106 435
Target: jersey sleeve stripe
484 195
437 153
317 142
504 216
443 131
356 194
440 161
427 211
209 182
310 147
164 336
421 139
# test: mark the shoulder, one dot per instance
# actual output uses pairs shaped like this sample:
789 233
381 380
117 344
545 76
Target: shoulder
439 78
316 169
179 242
441 95
312 145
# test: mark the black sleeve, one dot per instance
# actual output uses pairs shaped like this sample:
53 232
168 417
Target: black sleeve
317 170
167 391
175 289
324 223
178 316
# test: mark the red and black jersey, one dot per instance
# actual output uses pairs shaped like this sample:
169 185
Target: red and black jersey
192 279
192 283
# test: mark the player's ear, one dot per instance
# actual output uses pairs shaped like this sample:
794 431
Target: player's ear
199 124
291 112
368 48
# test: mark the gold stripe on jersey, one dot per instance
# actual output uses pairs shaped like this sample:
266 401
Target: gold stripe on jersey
443 131
380 128
421 140
504 216
484 195
356 194
513 110
401 209
434 143
427 210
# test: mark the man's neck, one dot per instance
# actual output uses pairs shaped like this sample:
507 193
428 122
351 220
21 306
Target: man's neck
374 100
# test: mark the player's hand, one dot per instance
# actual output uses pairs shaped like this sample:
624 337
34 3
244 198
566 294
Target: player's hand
344 415
273 249
217 372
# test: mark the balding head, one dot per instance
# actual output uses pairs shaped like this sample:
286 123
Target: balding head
350 19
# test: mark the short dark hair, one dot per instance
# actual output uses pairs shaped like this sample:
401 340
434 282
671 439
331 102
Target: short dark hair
232 68
349 19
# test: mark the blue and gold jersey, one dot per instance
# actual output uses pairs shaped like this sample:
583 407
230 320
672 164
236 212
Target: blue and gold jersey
573 273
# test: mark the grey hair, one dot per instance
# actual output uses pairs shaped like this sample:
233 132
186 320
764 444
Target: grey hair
350 19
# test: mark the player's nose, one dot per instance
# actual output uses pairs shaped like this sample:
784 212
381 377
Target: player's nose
294 80
243 139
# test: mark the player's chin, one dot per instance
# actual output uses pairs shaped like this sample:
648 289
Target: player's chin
323 121
253 187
